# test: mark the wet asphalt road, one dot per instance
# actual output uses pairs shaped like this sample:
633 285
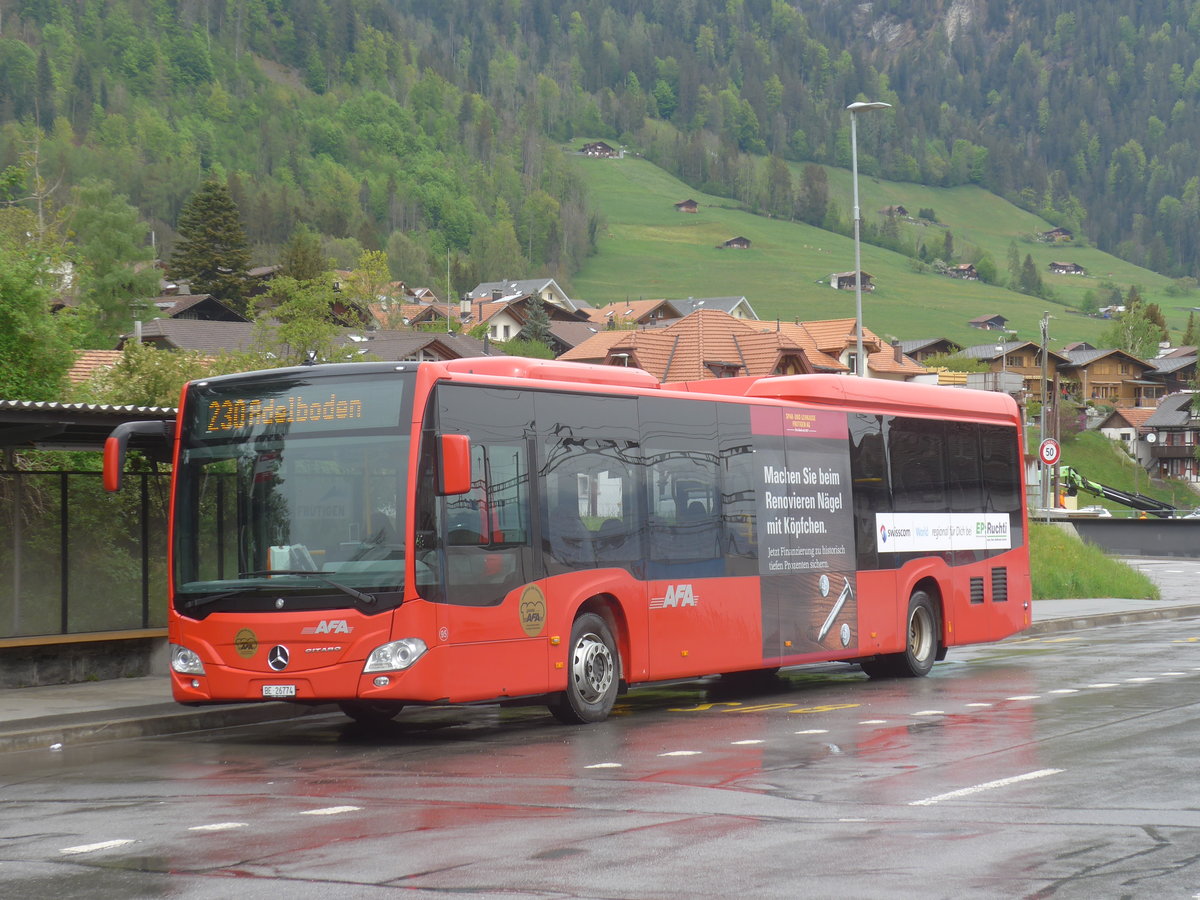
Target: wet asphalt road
1061 766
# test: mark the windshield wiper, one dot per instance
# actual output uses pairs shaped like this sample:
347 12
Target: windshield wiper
307 573
213 598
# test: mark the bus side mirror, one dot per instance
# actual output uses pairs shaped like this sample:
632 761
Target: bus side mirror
454 464
117 443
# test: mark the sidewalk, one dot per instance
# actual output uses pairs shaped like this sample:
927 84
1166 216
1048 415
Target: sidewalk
65 714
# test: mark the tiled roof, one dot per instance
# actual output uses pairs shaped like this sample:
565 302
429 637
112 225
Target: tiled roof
88 362
631 311
691 348
1174 411
726 304
1136 416
194 334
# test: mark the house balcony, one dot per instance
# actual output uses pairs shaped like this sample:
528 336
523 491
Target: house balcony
1172 451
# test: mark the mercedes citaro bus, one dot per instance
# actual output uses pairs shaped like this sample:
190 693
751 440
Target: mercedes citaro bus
500 529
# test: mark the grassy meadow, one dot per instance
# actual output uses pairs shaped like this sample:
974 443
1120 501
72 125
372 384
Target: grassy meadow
647 249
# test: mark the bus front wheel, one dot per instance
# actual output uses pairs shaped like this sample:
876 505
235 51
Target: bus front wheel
921 644
593 673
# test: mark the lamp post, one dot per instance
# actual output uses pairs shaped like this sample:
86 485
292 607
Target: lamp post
860 368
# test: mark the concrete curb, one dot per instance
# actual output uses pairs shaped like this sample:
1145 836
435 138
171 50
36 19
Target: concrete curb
1099 620
146 721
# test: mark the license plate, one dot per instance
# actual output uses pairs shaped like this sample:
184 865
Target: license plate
279 691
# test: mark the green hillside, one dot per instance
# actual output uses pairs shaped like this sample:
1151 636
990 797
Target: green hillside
647 249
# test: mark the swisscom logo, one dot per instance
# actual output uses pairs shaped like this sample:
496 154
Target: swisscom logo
883 533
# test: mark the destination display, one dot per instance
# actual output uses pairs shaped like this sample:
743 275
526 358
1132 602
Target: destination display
334 405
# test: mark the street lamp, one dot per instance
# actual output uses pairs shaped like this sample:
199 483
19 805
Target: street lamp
860 367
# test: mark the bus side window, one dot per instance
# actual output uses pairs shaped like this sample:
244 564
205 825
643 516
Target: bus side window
872 487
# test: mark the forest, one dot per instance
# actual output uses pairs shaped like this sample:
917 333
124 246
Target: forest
433 130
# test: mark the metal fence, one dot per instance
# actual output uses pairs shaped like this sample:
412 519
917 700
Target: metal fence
75 558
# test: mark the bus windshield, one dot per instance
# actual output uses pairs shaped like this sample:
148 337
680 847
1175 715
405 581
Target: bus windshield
290 494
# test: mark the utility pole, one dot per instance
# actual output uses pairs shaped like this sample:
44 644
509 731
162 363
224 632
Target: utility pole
1044 474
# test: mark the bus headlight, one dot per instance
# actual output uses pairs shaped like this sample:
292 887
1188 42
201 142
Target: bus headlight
395 656
185 661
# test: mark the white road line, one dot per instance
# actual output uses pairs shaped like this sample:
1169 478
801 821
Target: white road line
220 826
1026 697
986 786
1104 684
92 848
744 743
603 766
330 811
929 712
1172 673
681 753
1065 691
863 722
1138 680
979 705
814 731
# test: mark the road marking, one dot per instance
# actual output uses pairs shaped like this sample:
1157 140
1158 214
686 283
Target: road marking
1065 691
330 811
704 707
1172 673
986 786
745 743
1026 697
92 848
1138 680
929 712
220 826
1104 684
868 722
980 705
762 707
603 766
681 753
831 707
814 731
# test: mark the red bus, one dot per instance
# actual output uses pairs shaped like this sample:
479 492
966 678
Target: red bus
493 529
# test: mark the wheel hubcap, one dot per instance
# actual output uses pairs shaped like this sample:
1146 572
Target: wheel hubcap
920 634
592 668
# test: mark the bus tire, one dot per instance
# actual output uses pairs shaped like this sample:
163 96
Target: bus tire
593 673
366 712
920 643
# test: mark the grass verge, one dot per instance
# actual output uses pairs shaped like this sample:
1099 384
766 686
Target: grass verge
1063 566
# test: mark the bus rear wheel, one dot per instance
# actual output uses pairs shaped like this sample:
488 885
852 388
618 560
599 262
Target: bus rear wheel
593 673
364 712
921 644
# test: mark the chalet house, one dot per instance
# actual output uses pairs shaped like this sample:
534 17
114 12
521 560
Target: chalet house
634 313
1175 429
965 271
546 288
199 307
989 323
1175 373
899 211
1128 425
1066 268
923 348
738 307
844 281
1023 358
687 206
837 338
737 243
599 150
1115 377
191 334
507 316
1056 235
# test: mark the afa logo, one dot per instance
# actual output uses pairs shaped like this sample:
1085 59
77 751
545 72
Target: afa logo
329 626
677 595
532 611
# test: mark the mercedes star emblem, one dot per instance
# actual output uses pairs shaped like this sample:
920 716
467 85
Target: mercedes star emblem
277 659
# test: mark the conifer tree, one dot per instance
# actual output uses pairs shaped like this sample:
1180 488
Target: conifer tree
537 325
211 253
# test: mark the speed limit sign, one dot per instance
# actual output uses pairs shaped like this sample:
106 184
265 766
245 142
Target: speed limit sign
1049 451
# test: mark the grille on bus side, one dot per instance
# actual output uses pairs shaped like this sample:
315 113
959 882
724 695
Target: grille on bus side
999 585
976 590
